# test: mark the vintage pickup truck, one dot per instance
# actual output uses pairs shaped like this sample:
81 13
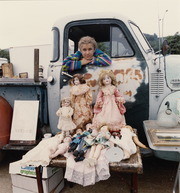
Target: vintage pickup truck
146 79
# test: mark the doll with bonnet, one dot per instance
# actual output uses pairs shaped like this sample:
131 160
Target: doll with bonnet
81 98
65 123
109 108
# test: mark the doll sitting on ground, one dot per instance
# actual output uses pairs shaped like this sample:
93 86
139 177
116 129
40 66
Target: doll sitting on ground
62 148
101 142
128 141
65 113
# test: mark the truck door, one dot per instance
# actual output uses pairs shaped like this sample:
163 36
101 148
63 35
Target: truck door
128 64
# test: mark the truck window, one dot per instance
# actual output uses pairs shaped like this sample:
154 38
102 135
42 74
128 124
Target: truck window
110 38
142 40
120 45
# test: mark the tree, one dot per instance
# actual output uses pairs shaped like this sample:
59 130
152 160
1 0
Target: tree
174 43
4 54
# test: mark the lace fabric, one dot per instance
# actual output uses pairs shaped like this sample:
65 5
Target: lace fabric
79 173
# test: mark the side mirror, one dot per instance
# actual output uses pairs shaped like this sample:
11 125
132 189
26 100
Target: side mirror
165 47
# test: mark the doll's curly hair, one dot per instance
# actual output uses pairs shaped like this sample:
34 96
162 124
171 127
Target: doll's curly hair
80 77
108 73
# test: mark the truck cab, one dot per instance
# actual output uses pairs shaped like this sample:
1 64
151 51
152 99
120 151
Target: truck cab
144 78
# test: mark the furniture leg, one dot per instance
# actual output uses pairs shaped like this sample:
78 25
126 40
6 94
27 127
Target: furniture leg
134 183
177 179
39 179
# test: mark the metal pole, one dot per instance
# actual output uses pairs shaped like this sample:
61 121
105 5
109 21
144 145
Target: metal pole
163 23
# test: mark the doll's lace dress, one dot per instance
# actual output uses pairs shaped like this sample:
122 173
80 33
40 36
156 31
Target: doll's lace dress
79 173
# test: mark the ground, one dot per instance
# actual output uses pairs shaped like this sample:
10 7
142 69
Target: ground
158 177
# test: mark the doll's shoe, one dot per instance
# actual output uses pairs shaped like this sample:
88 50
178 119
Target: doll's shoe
77 159
81 153
76 153
81 158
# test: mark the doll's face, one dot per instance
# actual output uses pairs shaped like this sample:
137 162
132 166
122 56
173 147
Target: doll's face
87 51
76 81
66 103
78 131
106 80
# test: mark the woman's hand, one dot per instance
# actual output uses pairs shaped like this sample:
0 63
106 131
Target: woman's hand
85 61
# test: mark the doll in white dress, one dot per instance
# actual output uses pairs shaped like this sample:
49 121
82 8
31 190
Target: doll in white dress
128 141
62 148
65 124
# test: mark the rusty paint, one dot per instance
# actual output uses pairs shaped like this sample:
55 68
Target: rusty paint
87 76
92 83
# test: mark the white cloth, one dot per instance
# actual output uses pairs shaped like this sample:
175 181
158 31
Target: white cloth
79 173
40 155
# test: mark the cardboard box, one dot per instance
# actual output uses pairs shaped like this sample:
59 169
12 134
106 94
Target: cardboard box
57 189
30 183
16 168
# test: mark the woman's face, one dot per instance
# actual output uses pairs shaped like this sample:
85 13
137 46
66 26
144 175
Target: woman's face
76 81
107 80
87 51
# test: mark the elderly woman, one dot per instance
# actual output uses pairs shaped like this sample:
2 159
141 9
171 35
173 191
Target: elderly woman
88 54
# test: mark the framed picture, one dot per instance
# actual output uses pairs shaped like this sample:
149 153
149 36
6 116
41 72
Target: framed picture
24 122
164 137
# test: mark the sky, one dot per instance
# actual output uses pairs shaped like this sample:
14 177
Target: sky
27 22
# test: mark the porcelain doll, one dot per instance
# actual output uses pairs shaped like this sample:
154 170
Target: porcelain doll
77 137
102 141
87 141
127 141
65 113
109 108
62 148
81 98
41 154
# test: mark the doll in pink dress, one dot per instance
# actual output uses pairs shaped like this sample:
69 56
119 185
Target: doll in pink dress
65 123
109 108
81 98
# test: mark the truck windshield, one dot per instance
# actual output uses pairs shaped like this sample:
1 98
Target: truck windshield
142 40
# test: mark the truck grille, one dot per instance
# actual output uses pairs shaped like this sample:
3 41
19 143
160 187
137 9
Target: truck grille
157 83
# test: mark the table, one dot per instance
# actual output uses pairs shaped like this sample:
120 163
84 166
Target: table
133 166
163 151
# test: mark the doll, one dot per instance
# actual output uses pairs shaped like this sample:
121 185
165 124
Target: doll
109 108
102 141
41 154
75 140
81 98
128 141
87 141
62 148
65 113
